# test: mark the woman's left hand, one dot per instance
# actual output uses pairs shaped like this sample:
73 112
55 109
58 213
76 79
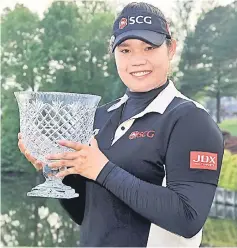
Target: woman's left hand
86 160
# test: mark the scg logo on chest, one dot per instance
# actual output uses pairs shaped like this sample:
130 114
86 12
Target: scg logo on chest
149 134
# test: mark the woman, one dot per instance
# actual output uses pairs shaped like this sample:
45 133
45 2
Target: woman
149 177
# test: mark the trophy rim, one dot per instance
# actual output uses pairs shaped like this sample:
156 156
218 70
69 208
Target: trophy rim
54 93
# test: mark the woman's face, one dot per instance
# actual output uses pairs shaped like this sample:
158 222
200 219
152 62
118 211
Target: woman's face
141 66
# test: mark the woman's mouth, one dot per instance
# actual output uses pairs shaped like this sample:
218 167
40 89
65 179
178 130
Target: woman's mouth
140 74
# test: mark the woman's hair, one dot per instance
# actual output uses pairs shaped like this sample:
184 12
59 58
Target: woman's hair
149 8
146 6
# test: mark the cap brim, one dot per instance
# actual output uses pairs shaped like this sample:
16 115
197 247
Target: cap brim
148 36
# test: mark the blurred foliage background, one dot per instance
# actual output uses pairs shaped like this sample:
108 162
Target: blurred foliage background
67 50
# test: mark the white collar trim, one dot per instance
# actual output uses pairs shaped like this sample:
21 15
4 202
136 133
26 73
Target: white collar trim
159 104
123 99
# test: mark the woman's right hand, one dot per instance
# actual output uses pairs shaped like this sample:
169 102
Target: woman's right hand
37 164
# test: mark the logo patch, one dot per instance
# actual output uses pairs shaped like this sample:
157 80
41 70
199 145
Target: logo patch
140 20
134 135
134 20
123 23
203 160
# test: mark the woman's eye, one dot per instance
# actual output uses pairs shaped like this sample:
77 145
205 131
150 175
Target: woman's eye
149 48
124 51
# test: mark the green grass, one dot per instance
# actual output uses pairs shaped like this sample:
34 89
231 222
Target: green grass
228 175
220 233
229 126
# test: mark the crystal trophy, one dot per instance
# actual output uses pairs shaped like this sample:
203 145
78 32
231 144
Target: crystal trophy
46 117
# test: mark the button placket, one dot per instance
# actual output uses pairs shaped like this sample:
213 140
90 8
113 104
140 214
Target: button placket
120 132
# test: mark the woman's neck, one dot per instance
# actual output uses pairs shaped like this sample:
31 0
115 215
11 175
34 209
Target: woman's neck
160 85
146 94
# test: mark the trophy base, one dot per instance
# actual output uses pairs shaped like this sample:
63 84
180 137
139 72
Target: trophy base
53 189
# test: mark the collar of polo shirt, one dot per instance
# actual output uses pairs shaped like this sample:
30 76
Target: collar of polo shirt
159 104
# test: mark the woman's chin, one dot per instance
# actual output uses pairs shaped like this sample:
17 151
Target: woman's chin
140 88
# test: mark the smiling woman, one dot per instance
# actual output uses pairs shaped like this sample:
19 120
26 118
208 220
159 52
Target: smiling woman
149 177
142 66
141 54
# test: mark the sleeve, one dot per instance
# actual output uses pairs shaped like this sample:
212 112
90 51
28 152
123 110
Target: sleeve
183 206
75 207
195 149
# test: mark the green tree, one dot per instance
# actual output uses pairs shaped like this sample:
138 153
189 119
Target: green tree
21 48
208 60
21 58
75 42
65 51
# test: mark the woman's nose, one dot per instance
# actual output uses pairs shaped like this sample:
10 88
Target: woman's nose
138 61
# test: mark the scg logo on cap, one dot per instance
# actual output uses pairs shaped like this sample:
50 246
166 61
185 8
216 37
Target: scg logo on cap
134 20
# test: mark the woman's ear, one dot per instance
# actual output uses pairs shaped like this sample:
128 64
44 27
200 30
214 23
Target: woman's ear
172 49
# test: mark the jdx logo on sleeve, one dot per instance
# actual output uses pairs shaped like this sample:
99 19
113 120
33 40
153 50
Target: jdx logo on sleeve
203 160
134 20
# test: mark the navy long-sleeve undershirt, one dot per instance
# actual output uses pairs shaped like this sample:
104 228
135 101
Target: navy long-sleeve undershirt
175 208
181 207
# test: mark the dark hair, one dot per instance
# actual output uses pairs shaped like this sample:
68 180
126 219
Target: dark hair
147 7
168 42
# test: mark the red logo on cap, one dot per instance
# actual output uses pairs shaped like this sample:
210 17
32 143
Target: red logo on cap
123 23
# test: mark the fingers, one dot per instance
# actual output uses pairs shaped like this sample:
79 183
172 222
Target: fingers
21 146
94 142
79 158
37 164
67 163
25 152
66 172
58 164
65 156
71 144
29 157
